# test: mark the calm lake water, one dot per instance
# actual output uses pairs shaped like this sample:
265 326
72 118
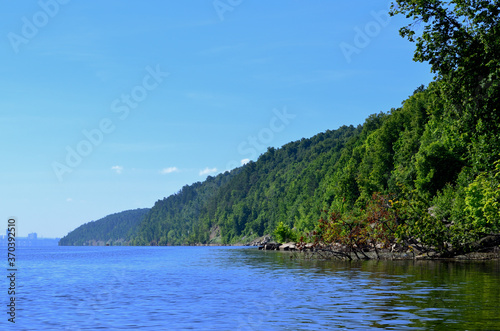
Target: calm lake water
227 288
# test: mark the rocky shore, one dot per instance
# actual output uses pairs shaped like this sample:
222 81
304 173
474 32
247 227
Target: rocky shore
309 251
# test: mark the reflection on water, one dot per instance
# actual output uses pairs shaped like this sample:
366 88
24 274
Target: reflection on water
405 294
178 288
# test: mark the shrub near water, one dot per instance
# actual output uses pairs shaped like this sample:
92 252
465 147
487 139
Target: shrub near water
284 234
357 231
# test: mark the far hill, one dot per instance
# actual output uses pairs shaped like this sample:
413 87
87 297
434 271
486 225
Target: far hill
113 229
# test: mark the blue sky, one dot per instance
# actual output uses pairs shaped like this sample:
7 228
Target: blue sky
112 105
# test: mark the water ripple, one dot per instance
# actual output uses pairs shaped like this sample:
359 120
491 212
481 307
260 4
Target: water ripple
213 288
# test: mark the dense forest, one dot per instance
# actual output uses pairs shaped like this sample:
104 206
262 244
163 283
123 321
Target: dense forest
291 184
115 229
425 175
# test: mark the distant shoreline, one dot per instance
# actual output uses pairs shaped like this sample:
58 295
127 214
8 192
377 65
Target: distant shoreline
30 242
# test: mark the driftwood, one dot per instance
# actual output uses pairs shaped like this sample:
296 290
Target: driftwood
485 248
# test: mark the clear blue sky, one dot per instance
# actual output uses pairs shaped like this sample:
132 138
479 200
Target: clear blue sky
111 105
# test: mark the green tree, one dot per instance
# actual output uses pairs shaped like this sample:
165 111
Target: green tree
483 202
460 40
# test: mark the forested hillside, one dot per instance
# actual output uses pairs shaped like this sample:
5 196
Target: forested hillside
400 153
425 175
432 168
292 183
113 229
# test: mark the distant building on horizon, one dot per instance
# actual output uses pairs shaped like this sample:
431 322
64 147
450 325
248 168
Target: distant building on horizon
31 240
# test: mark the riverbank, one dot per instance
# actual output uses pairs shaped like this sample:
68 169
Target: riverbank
309 251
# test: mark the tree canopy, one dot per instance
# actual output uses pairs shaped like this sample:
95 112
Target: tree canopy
460 40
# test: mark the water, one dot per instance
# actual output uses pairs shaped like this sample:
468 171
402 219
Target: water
222 288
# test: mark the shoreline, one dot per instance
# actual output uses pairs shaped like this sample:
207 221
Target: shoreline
307 253
381 254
